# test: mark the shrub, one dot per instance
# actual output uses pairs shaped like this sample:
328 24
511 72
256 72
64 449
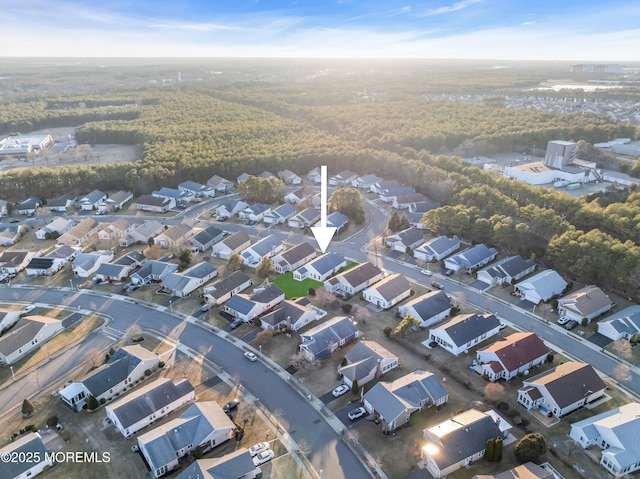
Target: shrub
387 331
92 403
28 408
355 389
530 447
257 322
584 322
102 401
550 357
52 421
311 291
161 364
346 307
147 372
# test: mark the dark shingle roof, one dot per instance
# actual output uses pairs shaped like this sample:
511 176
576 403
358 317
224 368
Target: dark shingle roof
430 304
361 273
466 327
327 262
298 252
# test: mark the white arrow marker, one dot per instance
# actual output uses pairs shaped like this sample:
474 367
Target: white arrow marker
323 233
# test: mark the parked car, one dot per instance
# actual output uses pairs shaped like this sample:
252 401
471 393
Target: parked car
570 325
426 272
437 285
28 309
340 390
258 448
231 405
250 356
236 323
449 272
357 413
502 326
205 307
264 456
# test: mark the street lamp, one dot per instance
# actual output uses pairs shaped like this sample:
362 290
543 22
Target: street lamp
171 306
71 284
260 347
12 373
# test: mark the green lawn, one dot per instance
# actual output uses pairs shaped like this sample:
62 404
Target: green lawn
351 265
293 288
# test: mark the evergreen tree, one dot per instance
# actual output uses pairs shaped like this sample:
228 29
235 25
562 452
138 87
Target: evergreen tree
92 403
28 408
355 389
489 454
394 221
497 455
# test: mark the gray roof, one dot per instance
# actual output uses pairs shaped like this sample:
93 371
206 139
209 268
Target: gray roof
441 244
29 445
400 190
333 331
235 240
302 192
30 203
288 310
370 178
156 268
40 263
388 184
392 286
194 186
585 301
326 263
363 358
12 258
546 283
178 281
234 465
410 198
240 304
61 200
466 327
361 273
474 255
297 253
170 193
266 245
424 206
152 200
408 237
258 208
22 332
116 370
337 220
430 304
148 399
266 294
199 270
284 210
131 258
475 429
93 197
514 265
62 252
227 284
113 270
309 215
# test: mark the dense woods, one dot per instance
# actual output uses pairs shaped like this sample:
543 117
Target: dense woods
194 131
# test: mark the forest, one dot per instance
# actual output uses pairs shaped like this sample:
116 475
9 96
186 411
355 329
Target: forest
370 123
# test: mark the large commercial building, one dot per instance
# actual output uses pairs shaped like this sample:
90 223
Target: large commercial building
22 145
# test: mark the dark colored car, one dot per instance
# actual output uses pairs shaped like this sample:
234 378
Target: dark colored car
570 325
231 405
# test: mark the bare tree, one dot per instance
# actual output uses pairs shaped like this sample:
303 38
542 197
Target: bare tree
622 372
303 447
153 252
622 348
93 357
262 337
301 363
131 332
324 296
362 314
494 391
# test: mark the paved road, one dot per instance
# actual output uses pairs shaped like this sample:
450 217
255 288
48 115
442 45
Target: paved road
302 421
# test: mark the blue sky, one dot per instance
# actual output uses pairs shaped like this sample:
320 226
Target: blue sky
587 30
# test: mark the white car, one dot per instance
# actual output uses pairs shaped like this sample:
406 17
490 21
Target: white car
258 448
262 457
357 413
426 272
250 356
340 390
28 309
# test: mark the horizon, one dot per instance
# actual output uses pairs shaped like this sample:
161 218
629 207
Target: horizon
491 30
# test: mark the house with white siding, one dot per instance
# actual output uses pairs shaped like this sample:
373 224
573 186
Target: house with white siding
365 182
197 189
12 262
464 331
30 446
56 228
354 280
265 248
429 308
206 238
174 237
85 264
388 292
92 200
222 290
28 206
622 324
409 238
26 335
153 271
62 203
230 208
305 219
293 258
254 213
174 194
115 202
588 302
343 178
292 314
541 287
155 204
115 230
510 356
184 283
233 243
149 403
394 402
81 233
142 233
120 268
280 215
322 340
260 301
220 184
506 270
366 361
321 268
563 389
470 260
288 177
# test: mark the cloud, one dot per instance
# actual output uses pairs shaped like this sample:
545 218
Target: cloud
199 27
528 23
454 7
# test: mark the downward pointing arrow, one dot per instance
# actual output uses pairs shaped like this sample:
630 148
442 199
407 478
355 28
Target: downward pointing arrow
323 233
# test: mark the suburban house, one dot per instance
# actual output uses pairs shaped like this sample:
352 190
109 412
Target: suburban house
366 361
120 268
220 184
616 433
429 308
12 262
354 280
92 200
206 238
541 287
388 292
343 178
80 233
288 177
255 213
267 247
242 177
203 424
115 202
149 403
30 446
506 270
280 215
196 189
299 195
510 356
588 302
126 367
365 182
4 210
390 194
322 340
184 283
235 465
461 440
403 202
464 331
563 389
28 206
55 229
52 262
623 324
394 402
292 314
336 220
293 257
156 204
115 230
321 268
222 290
304 219
528 470
383 184
314 175
261 300
85 264
153 271
472 259
233 243
174 237
62 203
174 194
437 249
27 334
409 238
229 208
8 318
142 233
266 174
421 207
11 234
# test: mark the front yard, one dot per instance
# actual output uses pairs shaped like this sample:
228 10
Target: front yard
293 288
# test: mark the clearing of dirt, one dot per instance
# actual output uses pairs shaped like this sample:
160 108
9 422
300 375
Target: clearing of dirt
63 153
